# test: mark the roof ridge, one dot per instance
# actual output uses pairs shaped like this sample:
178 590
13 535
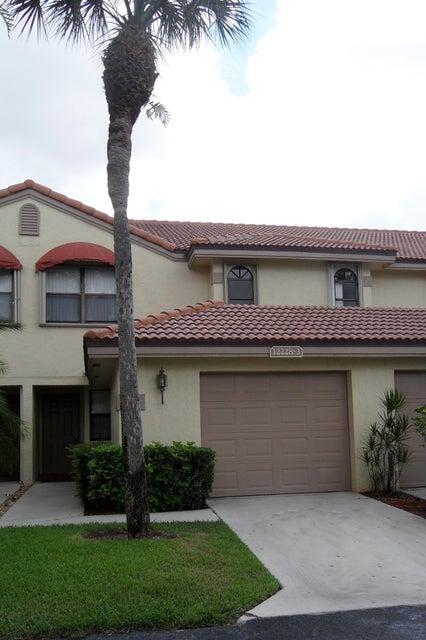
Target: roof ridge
212 239
276 226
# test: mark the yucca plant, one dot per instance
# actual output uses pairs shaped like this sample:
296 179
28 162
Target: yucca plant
420 422
385 450
134 35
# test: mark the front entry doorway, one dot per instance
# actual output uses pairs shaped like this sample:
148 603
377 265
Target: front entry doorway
60 428
10 455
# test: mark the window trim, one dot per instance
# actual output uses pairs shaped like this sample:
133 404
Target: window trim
83 322
16 295
253 269
333 268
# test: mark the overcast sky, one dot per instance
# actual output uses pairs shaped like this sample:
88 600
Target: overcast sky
321 119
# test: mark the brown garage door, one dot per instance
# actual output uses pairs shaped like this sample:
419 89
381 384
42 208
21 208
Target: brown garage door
276 433
413 386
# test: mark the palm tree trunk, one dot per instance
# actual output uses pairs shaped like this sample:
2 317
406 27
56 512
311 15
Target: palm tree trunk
136 497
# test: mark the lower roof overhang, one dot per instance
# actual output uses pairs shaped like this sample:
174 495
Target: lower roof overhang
98 349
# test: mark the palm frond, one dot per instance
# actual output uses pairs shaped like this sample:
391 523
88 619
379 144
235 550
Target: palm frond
227 21
70 19
6 17
29 15
186 22
157 111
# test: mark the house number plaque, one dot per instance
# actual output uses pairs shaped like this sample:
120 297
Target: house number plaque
286 352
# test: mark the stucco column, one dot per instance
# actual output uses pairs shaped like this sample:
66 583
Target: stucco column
217 281
367 384
27 473
366 283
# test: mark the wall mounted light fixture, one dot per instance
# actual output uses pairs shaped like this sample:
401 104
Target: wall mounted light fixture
162 383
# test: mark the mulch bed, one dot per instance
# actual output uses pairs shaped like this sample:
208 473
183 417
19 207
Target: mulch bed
5 506
404 501
120 533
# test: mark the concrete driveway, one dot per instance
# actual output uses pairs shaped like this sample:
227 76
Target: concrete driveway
331 552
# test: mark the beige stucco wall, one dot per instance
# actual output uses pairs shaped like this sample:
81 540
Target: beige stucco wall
53 356
179 417
393 288
159 283
292 282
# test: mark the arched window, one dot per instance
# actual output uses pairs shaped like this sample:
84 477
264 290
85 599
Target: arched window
346 292
240 283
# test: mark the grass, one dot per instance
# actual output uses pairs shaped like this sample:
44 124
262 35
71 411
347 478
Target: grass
53 581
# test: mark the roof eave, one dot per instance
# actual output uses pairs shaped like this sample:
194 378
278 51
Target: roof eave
197 255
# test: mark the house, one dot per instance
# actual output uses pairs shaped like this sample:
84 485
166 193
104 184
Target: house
277 341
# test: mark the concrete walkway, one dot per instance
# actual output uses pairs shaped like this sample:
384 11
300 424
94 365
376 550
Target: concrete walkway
331 552
57 503
419 492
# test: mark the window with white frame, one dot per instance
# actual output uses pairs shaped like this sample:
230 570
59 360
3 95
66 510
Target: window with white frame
240 285
80 295
345 287
8 295
100 414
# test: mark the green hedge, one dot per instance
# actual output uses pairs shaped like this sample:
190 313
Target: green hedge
180 476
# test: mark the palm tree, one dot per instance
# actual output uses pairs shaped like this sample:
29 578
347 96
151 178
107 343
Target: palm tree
136 34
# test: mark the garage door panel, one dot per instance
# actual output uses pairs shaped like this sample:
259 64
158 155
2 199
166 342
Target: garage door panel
293 446
295 480
258 447
413 385
254 415
291 416
222 416
282 444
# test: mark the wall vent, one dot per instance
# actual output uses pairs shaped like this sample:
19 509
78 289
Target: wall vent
29 220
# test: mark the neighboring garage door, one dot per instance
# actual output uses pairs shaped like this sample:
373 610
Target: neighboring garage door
413 386
276 433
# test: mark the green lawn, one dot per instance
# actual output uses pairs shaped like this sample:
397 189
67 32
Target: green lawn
53 581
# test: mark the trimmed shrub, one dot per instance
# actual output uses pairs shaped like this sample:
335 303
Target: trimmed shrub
80 456
180 476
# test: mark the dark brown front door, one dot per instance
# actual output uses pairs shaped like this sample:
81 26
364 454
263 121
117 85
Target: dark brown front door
59 429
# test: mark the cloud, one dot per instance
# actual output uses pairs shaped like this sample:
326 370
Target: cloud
328 130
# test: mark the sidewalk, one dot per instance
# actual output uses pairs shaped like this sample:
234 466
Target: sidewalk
57 503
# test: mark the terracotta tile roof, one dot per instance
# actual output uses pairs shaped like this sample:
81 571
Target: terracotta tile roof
84 208
216 322
409 246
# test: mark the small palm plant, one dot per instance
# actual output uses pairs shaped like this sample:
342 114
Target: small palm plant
420 422
385 451
136 34
11 425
